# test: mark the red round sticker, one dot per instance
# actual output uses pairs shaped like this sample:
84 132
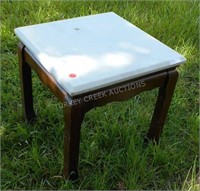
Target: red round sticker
72 75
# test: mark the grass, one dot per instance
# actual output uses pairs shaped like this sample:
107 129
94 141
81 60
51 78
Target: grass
111 154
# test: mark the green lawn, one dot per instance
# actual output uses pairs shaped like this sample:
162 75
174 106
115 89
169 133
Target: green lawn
111 154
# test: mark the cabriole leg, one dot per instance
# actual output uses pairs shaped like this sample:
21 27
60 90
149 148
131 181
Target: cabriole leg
26 86
161 108
73 117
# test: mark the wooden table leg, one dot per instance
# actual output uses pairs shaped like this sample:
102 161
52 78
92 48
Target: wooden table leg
162 105
26 86
73 117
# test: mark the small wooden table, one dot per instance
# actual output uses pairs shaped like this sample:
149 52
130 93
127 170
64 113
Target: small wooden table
91 61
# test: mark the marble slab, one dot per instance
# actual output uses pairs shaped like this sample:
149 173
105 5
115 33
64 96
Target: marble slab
91 52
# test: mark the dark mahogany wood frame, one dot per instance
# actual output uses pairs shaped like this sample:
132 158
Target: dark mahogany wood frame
73 114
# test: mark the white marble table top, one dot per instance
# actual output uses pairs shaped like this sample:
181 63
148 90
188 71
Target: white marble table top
91 52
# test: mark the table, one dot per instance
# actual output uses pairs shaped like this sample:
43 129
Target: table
90 61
